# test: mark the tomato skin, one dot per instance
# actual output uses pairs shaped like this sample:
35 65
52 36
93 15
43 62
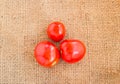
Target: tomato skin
56 31
46 54
72 50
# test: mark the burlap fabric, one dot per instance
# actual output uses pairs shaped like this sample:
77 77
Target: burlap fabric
23 24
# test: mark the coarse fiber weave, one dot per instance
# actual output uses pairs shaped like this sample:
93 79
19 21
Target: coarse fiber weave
23 24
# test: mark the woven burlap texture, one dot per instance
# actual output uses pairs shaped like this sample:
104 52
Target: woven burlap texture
23 24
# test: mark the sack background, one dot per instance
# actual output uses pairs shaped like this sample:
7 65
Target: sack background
23 24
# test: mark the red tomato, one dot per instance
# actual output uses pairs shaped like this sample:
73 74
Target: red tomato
72 50
46 54
56 31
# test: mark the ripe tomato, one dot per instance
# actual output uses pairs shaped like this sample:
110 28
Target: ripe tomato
46 54
72 50
56 31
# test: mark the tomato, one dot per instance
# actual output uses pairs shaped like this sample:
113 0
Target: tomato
72 50
46 54
56 31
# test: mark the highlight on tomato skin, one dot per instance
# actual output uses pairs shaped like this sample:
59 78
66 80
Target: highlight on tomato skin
56 31
46 54
72 51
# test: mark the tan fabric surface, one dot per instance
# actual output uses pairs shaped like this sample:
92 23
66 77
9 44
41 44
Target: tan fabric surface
23 24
